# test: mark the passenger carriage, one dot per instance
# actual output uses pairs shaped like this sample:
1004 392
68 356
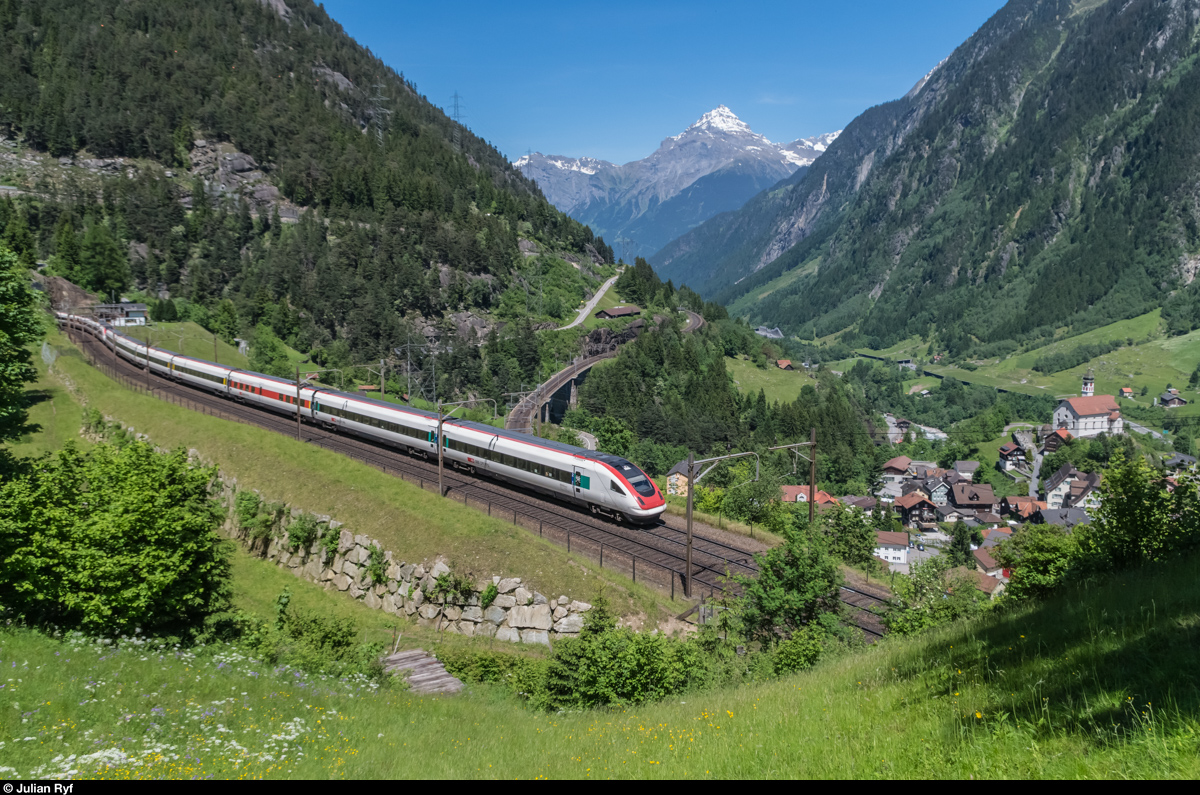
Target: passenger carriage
604 483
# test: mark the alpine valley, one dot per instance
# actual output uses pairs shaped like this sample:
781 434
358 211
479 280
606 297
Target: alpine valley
1043 176
712 167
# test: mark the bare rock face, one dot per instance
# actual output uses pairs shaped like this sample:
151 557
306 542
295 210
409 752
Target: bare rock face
280 8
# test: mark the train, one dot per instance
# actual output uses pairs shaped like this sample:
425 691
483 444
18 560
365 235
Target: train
605 484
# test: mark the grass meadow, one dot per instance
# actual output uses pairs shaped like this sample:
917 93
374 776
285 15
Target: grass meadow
781 386
1101 682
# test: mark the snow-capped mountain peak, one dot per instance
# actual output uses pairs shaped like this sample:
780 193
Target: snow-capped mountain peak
714 165
720 119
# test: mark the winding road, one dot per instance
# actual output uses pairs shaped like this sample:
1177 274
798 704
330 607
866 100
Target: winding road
587 310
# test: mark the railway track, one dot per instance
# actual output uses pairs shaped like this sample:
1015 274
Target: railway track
655 553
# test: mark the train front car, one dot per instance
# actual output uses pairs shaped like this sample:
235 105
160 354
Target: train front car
636 496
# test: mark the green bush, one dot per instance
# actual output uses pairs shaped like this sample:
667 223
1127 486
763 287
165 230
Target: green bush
489 595
245 507
302 532
449 585
800 651
377 565
110 541
330 539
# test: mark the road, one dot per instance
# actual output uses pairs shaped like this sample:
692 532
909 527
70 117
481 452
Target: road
591 305
695 322
1037 473
1133 426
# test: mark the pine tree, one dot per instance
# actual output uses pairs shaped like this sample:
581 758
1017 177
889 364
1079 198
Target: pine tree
19 328
20 240
105 268
67 255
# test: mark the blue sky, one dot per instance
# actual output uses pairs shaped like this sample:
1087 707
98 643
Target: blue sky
611 80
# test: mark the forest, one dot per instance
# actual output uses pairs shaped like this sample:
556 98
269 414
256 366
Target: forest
405 216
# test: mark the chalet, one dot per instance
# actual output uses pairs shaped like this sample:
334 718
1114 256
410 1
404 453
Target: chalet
619 311
984 562
1125 392
977 498
677 479
1055 440
1011 456
1171 399
915 509
1089 416
896 470
1063 517
903 425
121 314
991 586
1180 461
891 547
784 364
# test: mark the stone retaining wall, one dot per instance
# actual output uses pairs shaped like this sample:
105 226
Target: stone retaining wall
516 614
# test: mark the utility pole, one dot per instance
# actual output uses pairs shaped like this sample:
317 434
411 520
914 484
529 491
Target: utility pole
438 441
215 359
812 476
691 470
147 358
811 458
693 479
382 383
297 402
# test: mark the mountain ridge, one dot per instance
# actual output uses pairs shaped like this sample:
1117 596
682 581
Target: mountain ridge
1041 178
641 202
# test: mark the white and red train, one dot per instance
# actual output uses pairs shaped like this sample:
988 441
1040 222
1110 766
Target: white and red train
606 484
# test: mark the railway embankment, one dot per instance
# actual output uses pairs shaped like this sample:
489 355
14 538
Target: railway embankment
411 522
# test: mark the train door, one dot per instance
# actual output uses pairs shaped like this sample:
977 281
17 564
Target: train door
581 483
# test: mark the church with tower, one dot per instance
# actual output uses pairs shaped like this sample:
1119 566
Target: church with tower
1089 414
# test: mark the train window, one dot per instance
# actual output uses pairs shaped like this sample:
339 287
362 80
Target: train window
612 484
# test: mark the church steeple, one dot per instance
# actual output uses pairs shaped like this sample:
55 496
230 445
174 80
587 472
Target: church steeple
1089 384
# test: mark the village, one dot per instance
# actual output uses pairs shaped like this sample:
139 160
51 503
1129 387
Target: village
927 499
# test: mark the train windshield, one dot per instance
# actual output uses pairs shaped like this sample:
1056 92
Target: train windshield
636 477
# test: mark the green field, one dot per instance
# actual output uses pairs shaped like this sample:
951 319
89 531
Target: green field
1097 683
779 385
412 523
191 339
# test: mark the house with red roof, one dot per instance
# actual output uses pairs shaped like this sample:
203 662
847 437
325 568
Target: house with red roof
801 494
1089 416
1054 440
